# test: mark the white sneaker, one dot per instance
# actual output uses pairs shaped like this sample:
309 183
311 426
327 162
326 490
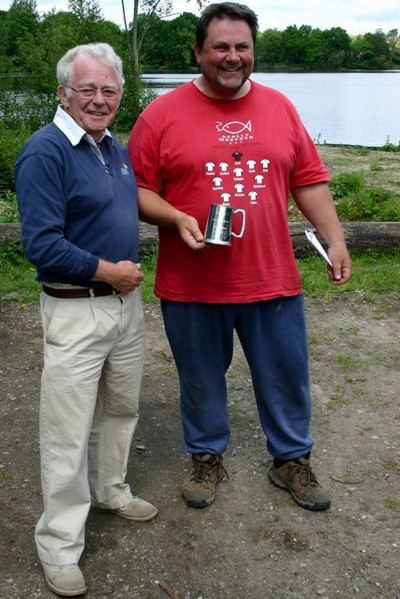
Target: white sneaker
66 580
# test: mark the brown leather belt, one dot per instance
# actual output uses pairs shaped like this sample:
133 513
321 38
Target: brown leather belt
78 293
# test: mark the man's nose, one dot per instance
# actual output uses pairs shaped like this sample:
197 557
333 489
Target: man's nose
232 55
98 97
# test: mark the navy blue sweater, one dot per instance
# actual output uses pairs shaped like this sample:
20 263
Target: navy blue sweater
74 209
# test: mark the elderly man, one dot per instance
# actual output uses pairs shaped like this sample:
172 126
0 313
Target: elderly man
77 197
224 139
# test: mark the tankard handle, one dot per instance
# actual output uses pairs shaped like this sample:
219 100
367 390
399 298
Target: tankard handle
243 223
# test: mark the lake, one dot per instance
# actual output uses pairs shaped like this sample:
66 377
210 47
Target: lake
337 108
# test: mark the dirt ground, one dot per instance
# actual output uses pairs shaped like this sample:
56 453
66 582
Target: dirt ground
253 542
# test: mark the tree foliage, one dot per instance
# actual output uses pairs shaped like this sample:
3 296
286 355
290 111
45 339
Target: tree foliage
304 48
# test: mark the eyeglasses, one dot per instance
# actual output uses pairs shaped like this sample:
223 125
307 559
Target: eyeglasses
88 93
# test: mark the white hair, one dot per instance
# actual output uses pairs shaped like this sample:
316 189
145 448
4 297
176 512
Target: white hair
104 53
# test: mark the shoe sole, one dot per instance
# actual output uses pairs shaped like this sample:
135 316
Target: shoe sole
314 507
199 504
117 513
134 519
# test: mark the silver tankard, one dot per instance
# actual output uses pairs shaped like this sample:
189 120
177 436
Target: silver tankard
219 224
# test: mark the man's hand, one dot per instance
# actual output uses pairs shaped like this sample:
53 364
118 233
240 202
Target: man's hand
340 271
155 210
317 205
124 275
189 231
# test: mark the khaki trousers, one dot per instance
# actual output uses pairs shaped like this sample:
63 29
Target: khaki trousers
93 361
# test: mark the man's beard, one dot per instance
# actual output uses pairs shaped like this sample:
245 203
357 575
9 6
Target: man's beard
232 83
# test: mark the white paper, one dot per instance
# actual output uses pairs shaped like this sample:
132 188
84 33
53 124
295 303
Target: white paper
314 241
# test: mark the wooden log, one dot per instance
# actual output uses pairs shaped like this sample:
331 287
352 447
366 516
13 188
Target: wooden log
148 234
10 231
359 236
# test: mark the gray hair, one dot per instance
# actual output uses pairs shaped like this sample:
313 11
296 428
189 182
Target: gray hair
102 52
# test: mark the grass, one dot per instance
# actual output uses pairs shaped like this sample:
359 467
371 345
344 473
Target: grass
148 261
373 273
17 275
392 503
348 363
338 399
18 281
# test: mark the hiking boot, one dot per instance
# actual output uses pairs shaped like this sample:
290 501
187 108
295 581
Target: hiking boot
199 488
297 477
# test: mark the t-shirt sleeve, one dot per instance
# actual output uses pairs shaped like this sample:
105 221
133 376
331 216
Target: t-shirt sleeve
308 168
144 152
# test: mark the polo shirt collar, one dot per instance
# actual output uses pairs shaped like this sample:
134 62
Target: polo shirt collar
71 129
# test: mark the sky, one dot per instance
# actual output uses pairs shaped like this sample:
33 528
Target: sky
354 16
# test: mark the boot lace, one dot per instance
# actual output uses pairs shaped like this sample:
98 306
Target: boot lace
201 471
305 475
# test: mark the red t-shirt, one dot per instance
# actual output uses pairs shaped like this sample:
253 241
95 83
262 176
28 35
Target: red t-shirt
248 153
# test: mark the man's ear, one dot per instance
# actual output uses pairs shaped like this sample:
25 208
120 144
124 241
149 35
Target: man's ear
197 53
62 94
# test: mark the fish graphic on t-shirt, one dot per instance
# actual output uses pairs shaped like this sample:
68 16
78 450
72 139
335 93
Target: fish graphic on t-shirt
233 127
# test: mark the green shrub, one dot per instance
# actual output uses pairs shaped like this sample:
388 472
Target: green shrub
373 204
9 208
17 274
357 201
125 118
11 142
389 147
346 184
375 166
29 110
13 254
21 116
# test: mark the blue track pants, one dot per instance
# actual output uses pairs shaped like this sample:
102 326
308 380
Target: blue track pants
274 340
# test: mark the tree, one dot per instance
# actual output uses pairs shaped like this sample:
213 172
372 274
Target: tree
57 32
269 48
336 47
380 49
393 39
329 49
371 51
152 55
151 9
5 59
295 41
88 14
22 21
315 55
178 45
